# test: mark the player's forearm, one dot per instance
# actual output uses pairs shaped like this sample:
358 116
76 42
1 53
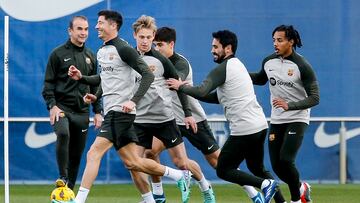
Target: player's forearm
147 77
91 80
313 99
185 104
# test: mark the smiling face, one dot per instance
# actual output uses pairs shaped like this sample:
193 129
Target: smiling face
217 51
79 31
282 46
107 29
144 38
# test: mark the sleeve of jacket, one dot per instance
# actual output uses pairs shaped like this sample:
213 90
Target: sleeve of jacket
259 78
206 90
311 87
132 58
97 106
48 91
170 72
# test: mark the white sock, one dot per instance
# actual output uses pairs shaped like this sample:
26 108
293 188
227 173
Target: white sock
81 195
296 201
148 197
265 183
250 191
302 189
173 173
157 188
203 184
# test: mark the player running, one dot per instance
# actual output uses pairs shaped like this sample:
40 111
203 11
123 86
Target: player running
294 90
248 125
119 64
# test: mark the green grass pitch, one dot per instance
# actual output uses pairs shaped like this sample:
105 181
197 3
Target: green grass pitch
225 193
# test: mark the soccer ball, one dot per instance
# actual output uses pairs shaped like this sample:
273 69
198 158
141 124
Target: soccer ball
62 195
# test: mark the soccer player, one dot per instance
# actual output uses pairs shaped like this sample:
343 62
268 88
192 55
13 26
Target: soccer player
69 115
203 139
154 116
119 63
294 90
248 125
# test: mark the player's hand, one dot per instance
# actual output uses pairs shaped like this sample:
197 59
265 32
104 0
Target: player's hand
74 73
190 122
89 98
128 106
98 120
175 84
55 114
280 103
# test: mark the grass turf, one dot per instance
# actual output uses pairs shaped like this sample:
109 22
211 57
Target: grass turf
225 193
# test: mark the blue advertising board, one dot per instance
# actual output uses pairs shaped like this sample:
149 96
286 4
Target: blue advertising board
32 153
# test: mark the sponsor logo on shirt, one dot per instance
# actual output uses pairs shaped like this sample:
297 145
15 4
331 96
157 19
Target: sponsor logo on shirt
87 60
284 83
106 68
274 82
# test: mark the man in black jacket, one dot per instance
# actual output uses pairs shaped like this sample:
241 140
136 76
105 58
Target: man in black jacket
69 115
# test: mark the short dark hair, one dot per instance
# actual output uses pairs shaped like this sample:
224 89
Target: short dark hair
226 37
71 22
165 34
112 16
290 34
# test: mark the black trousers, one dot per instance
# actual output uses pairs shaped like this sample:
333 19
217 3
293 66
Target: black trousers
71 131
251 149
284 143
237 149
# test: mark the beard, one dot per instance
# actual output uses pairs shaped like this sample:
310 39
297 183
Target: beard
220 58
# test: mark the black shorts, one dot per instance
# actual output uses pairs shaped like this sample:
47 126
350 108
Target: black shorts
168 132
118 128
203 140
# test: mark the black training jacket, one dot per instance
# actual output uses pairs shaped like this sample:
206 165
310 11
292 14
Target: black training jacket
59 89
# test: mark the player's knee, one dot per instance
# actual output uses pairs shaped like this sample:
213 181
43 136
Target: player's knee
180 163
150 154
276 167
62 135
93 155
129 164
213 163
257 170
286 162
221 173
133 164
